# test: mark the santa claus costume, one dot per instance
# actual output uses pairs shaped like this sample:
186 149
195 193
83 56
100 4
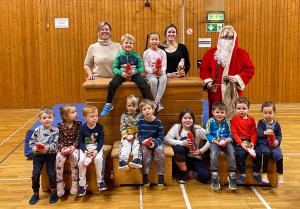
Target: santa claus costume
226 61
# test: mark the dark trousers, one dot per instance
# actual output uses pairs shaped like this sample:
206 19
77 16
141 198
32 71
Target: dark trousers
241 158
118 80
194 164
38 163
265 161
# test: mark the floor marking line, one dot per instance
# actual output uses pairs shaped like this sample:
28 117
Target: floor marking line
14 179
141 198
260 197
18 130
185 197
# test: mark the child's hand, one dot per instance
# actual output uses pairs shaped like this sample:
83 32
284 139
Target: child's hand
244 146
95 153
152 145
187 143
251 145
45 150
125 75
90 77
197 152
131 72
173 75
268 132
275 144
181 73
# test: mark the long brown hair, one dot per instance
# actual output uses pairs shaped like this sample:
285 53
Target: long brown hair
181 114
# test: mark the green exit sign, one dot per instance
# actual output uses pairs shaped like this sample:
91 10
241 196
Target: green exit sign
214 27
215 16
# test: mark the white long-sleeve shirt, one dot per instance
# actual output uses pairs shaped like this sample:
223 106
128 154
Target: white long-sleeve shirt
174 138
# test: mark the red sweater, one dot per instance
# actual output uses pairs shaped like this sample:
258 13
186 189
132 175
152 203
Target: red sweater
243 128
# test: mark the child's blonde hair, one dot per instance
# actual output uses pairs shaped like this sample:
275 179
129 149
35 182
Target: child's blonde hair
133 99
47 110
64 111
127 37
145 102
89 109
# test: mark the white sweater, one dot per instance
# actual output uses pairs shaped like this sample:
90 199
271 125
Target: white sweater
173 138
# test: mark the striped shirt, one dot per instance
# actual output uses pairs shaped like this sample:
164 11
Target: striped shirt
152 129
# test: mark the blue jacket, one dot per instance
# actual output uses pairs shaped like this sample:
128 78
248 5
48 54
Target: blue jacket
215 130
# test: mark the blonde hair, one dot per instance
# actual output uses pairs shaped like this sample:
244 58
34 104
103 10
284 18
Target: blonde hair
47 110
89 109
64 111
127 37
145 102
133 99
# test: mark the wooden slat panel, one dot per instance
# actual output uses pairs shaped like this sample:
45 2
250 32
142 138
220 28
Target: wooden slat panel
41 65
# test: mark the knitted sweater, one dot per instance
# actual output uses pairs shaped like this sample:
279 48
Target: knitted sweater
149 58
46 136
100 58
128 123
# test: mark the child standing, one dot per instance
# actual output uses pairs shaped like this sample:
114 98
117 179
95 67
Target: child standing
155 62
189 144
91 140
269 140
151 136
244 133
129 140
68 148
127 65
218 134
43 143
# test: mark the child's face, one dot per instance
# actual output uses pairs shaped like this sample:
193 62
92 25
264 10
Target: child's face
218 114
187 121
72 114
268 113
46 120
242 110
171 34
154 41
147 111
91 118
131 107
127 45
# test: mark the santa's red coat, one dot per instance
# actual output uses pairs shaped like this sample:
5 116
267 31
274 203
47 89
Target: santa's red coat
240 64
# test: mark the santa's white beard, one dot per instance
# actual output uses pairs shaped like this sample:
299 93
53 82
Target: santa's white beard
223 52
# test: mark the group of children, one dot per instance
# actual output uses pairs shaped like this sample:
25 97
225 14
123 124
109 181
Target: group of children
128 65
239 138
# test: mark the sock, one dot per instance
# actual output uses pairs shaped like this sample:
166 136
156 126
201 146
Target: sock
161 179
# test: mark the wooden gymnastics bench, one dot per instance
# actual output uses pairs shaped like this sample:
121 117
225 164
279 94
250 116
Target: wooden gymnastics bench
90 174
180 93
134 176
223 171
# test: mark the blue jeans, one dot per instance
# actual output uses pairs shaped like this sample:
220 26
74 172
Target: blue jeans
38 163
214 157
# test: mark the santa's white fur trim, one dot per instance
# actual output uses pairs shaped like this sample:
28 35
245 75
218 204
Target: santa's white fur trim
240 81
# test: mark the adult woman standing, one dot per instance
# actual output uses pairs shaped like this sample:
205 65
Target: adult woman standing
100 55
175 53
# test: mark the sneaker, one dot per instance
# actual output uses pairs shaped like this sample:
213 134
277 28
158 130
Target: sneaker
53 197
280 179
82 191
240 180
123 165
102 186
74 188
231 181
161 180
145 180
136 163
60 189
106 109
215 184
264 178
182 177
159 107
34 199
258 178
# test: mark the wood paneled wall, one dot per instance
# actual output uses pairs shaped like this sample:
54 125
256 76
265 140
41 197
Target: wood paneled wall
41 65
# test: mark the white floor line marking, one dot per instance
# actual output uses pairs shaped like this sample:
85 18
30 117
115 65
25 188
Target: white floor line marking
185 197
15 179
261 198
18 130
141 198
